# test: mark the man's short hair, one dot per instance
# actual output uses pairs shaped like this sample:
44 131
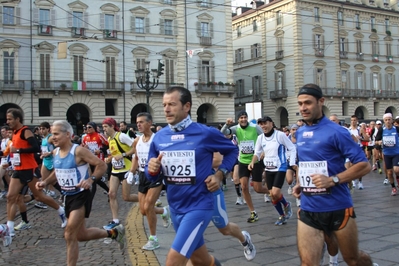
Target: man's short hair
16 113
45 124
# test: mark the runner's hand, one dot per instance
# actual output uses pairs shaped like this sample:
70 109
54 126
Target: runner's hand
129 177
154 165
296 191
85 183
212 183
41 185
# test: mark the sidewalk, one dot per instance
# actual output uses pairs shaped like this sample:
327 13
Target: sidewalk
43 244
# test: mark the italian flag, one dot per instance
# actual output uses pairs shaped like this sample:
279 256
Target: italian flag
79 85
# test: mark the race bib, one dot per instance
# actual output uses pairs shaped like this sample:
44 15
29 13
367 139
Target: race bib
270 162
179 167
44 149
308 168
92 147
247 147
17 159
389 141
118 165
67 179
4 161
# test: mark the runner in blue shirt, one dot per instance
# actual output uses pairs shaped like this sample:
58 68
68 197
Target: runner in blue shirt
184 151
326 203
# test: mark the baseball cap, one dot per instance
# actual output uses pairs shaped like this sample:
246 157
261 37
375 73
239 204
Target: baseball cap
265 119
378 122
294 126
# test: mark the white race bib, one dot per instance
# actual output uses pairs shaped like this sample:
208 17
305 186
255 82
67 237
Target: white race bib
389 141
247 146
179 167
117 165
305 169
67 178
270 162
16 159
44 149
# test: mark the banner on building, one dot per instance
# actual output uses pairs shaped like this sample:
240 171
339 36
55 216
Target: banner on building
79 85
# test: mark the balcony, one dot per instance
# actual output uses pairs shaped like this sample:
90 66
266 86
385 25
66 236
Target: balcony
390 59
354 93
205 41
359 56
319 52
279 54
343 54
110 34
78 32
12 86
385 94
375 58
279 94
45 30
215 89
71 86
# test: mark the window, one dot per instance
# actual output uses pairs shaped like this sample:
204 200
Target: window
239 31
387 28
318 41
279 80
344 79
256 85
372 23
168 24
109 22
278 18
139 25
375 81
204 3
239 54
9 67
168 2
388 49
375 48
45 106
78 68
255 50
169 71
110 107
390 78
359 46
279 43
8 15
140 63
321 77
316 14
240 87
205 29
44 70
110 72
206 71
254 26
77 20
340 18
44 17
359 80
357 21
343 47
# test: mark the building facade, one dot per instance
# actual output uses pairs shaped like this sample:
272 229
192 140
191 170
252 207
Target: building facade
77 60
349 48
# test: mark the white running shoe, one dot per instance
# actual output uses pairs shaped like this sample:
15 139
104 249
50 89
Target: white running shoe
289 191
267 198
360 185
6 237
298 202
386 182
158 203
239 201
249 249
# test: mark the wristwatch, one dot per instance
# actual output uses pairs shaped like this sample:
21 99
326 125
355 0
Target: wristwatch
335 180
224 171
93 178
124 154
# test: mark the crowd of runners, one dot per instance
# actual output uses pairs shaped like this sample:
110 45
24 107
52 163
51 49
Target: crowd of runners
320 160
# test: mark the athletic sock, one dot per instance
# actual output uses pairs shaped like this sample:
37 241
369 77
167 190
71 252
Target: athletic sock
378 164
116 221
278 207
154 237
334 259
282 200
24 217
238 189
10 225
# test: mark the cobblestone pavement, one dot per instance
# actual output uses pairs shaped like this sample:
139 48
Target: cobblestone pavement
43 244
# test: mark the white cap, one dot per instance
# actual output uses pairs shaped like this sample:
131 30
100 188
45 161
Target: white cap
378 122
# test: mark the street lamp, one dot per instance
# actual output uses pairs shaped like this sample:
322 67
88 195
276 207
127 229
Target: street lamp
143 81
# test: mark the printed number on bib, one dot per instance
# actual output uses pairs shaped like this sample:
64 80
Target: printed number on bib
305 170
247 147
270 162
67 178
117 165
179 167
17 159
389 141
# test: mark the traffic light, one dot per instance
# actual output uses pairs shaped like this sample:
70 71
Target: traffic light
160 68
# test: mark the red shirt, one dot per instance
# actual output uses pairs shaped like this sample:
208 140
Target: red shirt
95 141
27 159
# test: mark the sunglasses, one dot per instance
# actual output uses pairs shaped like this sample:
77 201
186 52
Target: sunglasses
89 127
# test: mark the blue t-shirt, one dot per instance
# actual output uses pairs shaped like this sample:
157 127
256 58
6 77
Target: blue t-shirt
327 141
390 141
187 162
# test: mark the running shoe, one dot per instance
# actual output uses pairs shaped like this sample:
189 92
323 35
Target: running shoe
289 191
333 264
360 185
120 238
3 194
166 217
51 194
40 205
298 202
380 171
394 191
253 218
151 244
267 198
239 201
288 210
63 220
281 220
158 203
374 168
224 187
249 249
163 192
6 237
386 182
22 226
375 264
110 226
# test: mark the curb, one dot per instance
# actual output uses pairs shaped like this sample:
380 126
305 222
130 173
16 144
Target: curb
136 237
